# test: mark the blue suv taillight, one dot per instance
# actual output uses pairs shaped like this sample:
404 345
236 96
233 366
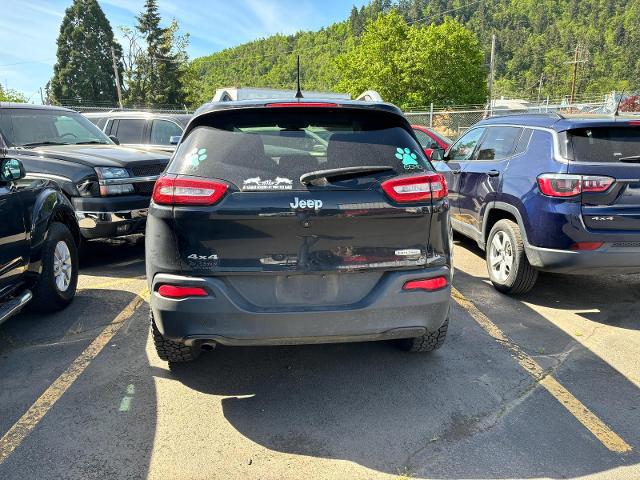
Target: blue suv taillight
565 185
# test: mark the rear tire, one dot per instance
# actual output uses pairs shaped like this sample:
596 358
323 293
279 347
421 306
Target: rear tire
56 285
507 263
428 342
169 350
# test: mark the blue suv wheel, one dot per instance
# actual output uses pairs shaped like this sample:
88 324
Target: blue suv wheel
509 269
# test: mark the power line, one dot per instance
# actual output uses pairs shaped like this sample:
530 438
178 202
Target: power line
287 52
445 12
28 61
318 45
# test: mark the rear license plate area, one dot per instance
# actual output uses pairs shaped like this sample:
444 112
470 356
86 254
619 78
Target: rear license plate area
306 289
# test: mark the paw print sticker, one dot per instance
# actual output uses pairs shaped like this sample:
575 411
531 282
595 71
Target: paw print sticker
409 158
197 155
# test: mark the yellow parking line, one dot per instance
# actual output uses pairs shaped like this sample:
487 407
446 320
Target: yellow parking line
21 429
110 283
586 417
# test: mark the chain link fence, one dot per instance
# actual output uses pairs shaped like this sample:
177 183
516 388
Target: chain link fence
96 108
450 123
454 122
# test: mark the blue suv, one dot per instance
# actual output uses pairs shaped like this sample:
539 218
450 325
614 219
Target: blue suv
548 193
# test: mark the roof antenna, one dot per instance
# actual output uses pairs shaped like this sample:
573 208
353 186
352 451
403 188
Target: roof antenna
299 92
616 112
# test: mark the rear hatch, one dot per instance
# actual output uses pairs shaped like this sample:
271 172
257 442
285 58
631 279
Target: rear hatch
608 157
307 194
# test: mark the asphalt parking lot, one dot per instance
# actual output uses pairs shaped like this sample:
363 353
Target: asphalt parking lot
544 385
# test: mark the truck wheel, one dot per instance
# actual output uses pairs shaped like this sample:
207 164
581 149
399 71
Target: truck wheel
428 342
58 279
509 269
170 351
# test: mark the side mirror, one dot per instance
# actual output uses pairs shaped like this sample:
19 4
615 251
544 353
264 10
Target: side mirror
174 139
437 154
11 169
114 139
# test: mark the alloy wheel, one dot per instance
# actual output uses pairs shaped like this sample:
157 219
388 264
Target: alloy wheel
501 256
62 266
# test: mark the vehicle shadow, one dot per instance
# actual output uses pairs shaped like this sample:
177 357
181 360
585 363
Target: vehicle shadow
116 258
103 425
466 411
606 299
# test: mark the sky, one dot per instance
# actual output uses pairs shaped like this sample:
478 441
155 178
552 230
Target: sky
29 28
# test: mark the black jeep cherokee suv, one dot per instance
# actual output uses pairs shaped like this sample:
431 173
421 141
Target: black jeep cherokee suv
109 186
298 222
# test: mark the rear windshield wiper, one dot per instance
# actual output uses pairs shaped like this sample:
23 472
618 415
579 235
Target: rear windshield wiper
39 144
326 175
632 158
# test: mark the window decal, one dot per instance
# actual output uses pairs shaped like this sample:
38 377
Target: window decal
409 159
256 183
196 156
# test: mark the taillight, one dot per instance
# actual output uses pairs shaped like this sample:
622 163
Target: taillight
177 291
187 191
565 185
301 104
428 284
416 188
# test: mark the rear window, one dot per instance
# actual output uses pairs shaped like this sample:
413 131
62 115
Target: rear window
606 144
269 149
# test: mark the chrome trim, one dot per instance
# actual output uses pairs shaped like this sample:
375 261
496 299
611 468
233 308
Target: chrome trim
22 301
46 176
123 181
93 219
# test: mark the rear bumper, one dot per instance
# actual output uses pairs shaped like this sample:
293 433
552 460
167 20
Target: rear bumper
608 259
111 216
226 318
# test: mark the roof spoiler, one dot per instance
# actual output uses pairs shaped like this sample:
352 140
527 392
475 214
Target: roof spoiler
370 96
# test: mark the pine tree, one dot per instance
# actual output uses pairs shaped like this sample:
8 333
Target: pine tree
156 79
356 23
83 72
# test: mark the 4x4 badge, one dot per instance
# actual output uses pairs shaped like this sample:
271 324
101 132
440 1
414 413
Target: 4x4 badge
194 256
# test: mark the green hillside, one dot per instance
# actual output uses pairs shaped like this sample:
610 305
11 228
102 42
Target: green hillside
536 41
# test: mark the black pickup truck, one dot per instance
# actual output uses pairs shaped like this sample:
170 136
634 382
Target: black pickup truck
39 239
108 185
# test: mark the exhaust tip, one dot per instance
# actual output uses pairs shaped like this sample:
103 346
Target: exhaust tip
208 346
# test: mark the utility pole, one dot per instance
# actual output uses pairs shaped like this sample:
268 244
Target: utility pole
115 72
492 72
540 87
41 96
576 57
